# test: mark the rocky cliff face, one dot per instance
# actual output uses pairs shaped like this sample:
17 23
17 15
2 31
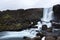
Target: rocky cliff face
56 12
19 19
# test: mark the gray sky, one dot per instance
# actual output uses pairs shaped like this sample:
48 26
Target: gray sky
19 4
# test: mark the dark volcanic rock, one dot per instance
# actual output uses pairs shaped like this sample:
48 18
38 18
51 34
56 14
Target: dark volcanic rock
56 12
44 27
56 19
40 34
33 14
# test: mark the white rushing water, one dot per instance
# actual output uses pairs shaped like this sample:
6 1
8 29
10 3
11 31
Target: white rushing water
47 16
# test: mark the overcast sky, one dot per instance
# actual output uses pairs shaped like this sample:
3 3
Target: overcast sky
19 4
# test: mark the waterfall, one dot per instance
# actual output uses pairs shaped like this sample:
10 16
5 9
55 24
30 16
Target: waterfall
47 16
